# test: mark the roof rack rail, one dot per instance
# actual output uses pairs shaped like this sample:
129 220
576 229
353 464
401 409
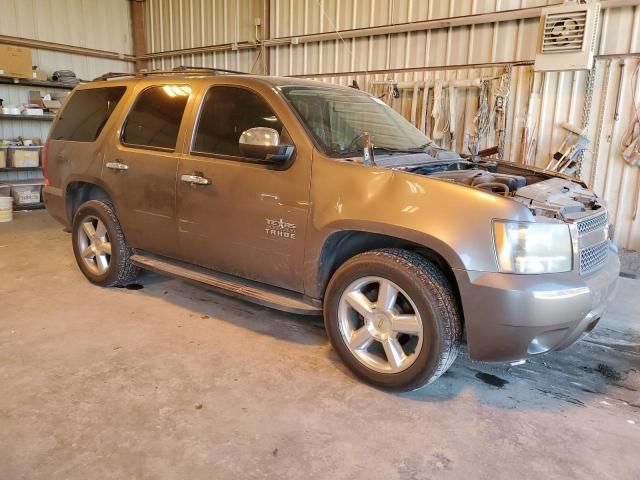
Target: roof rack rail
108 75
182 69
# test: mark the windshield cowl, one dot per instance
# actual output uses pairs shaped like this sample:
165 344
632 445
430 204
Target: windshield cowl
407 159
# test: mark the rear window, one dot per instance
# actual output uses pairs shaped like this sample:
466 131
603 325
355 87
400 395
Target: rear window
86 113
154 120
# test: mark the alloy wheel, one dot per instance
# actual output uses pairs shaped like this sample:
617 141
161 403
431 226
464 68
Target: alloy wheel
380 324
94 245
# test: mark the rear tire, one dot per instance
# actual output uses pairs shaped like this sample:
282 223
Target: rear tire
99 245
393 319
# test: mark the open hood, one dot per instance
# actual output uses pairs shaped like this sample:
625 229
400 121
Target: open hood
546 194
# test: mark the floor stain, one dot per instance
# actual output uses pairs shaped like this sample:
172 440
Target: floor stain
608 372
562 396
491 379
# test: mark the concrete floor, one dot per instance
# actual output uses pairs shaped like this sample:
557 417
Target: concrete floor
176 382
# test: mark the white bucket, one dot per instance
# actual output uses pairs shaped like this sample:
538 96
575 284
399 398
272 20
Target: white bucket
6 209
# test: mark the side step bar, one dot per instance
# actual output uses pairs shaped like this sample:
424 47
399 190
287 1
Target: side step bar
266 295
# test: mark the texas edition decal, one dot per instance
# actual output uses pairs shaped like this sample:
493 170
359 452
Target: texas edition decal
280 228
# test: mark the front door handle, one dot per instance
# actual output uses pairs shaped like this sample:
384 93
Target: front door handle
117 166
195 179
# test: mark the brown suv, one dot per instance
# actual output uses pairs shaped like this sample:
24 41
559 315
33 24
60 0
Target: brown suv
314 198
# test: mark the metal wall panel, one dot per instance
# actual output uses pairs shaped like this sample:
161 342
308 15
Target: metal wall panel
104 25
541 101
179 24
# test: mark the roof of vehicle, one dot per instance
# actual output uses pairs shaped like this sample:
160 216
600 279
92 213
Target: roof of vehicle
204 74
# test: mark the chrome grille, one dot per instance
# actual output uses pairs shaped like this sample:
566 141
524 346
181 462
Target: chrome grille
594 257
591 224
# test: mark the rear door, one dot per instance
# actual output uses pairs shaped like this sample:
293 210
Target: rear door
75 141
140 169
249 220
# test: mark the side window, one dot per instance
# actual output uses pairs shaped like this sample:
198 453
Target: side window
154 120
86 113
226 113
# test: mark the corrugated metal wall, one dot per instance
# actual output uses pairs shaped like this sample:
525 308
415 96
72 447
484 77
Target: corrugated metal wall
179 24
544 99
98 24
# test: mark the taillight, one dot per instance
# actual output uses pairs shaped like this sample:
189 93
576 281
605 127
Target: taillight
45 154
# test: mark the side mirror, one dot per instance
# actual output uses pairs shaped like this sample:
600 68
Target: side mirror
263 143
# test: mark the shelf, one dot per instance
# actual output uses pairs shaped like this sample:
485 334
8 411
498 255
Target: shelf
35 83
44 117
33 206
13 169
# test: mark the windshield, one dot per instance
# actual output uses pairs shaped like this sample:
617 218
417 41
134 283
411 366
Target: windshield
337 119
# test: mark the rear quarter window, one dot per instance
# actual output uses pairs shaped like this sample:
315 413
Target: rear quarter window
86 113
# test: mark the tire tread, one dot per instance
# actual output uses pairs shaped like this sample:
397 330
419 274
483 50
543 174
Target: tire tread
430 276
125 271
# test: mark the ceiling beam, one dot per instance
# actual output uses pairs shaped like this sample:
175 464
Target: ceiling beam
61 47
138 33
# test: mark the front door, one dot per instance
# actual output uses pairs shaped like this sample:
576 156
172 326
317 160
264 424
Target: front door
140 169
246 219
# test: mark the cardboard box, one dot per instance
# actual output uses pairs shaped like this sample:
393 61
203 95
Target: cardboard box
52 105
35 97
23 157
48 102
15 62
3 157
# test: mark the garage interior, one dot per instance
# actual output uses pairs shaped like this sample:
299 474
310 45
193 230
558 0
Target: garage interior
164 379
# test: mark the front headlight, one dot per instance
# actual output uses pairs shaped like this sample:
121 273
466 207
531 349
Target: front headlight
532 247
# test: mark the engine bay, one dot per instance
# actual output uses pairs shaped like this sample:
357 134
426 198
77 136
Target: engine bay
544 194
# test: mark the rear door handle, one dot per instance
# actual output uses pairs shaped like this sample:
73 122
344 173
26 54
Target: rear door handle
117 166
195 180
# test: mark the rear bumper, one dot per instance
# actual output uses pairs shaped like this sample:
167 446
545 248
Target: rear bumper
509 317
55 203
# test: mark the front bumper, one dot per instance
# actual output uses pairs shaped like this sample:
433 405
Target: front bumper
509 317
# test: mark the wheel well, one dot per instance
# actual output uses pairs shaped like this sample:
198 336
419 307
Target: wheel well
80 192
342 246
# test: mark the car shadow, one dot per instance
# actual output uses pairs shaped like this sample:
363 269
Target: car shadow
605 366
207 303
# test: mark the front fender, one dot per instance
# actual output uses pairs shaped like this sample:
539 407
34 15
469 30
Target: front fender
454 221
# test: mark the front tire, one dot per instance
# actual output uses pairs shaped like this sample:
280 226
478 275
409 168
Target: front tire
99 245
393 319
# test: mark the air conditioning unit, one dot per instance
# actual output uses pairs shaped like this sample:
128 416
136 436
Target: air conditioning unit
568 37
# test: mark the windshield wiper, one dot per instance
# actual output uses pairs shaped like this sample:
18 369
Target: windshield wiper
419 149
381 148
